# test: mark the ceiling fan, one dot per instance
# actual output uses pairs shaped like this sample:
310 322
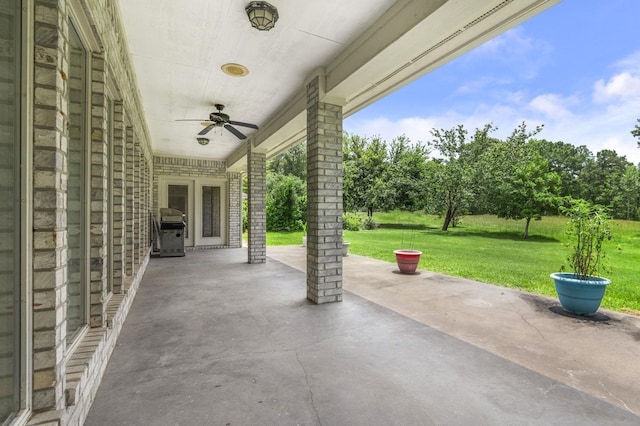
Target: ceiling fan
220 119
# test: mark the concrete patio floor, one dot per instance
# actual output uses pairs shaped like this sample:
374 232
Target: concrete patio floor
212 340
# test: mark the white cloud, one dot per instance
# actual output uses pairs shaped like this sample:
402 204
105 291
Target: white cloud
598 128
603 120
552 106
518 53
623 85
513 41
417 129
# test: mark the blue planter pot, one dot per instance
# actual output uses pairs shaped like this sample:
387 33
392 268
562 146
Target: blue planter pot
581 297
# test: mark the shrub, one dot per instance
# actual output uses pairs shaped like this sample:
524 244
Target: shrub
286 203
370 223
245 214
351 222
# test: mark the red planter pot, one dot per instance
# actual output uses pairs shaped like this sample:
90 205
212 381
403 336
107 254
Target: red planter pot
407 260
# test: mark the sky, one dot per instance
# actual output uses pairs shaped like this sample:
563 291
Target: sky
574 68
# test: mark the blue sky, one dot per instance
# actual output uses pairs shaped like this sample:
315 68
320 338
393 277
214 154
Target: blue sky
574 68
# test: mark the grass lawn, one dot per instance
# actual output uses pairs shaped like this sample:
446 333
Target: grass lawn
491 250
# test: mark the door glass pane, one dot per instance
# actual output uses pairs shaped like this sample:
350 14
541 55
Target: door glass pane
179 200
76 184
210 211
9 209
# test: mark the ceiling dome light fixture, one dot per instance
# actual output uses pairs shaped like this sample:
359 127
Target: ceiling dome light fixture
262 15
235 70
203 141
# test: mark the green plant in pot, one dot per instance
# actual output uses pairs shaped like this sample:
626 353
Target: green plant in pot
581 291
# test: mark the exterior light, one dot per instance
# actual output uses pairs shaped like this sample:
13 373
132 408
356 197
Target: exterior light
203 141
235 70
262 15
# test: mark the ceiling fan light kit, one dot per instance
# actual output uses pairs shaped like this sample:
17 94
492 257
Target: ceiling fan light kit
262 15
220 119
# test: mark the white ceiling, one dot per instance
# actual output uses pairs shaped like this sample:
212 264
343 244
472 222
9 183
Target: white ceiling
366 49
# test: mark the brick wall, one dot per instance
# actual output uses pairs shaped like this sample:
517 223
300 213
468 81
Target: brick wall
205 169
49 204
62 392
99 197
118 209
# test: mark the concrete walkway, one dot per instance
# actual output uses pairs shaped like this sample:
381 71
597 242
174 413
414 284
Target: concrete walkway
212 340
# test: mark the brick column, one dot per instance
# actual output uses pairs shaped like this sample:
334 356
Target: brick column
99 195
129 205
324 197
142 217
235 210
139 197
118 211
50 112
147 206
257 214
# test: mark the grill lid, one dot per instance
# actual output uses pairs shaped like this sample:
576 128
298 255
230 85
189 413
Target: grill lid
171 215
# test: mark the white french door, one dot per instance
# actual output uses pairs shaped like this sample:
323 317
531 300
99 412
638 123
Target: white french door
204 203
177 194
211 207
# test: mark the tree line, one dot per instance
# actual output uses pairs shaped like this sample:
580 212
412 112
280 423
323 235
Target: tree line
459 172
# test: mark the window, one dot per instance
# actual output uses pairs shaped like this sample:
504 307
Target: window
211 211
10 226
110 233
76 187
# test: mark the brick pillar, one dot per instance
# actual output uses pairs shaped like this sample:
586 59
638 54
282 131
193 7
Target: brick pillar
129 205
147 205
99 195
118 211
257 212
324 197
235 210
143 207
50 112
138 196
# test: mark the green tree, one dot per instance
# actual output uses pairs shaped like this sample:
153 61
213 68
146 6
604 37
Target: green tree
457 178
630 193
568 161
364 162
406 181
601 180
636 132
524 187
286 203
291 162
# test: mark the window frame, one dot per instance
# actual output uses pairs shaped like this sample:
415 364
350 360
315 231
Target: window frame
76 24
25 140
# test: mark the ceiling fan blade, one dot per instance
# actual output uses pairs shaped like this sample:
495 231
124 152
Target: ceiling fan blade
194 119
235 131
206 129
240 123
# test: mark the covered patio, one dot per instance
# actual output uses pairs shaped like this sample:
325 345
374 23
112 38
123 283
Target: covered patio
244 346
113 110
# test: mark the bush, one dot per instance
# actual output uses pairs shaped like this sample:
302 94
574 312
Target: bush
370 223
351 222
286 203
245 214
